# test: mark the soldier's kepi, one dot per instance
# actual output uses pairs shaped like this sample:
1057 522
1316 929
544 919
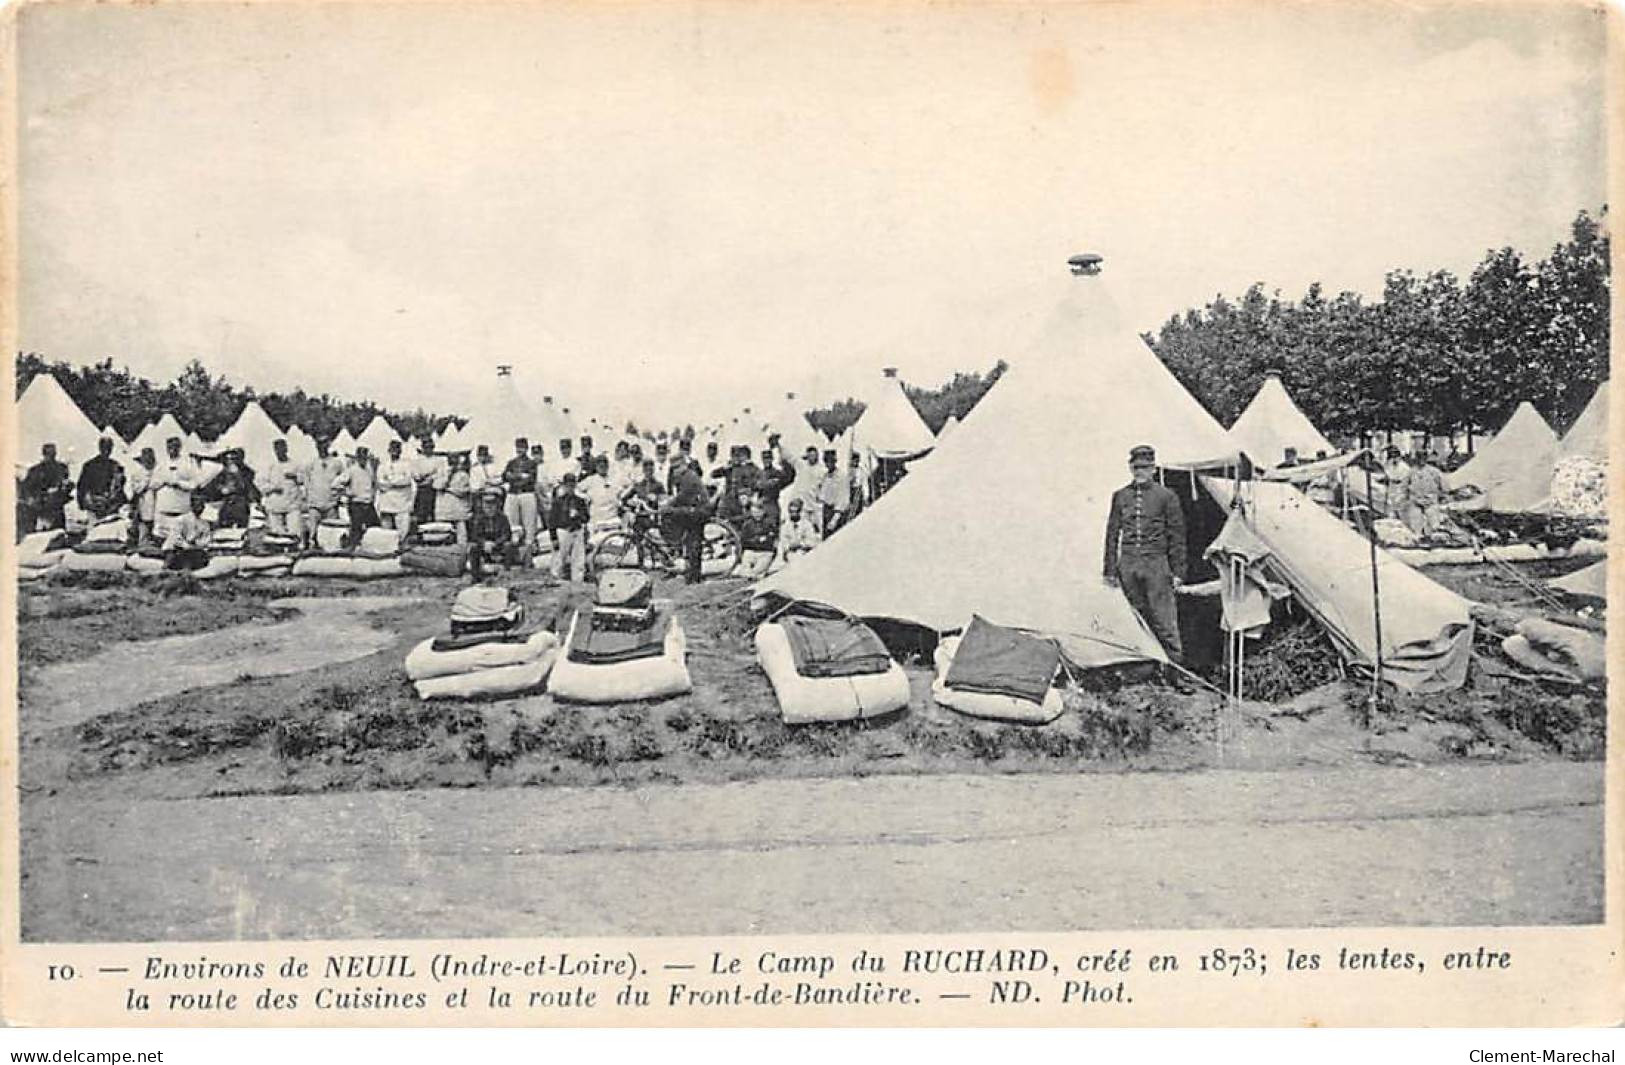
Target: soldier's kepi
1145 548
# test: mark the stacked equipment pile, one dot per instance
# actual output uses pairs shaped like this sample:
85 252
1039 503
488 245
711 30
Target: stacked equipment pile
485 652
626 647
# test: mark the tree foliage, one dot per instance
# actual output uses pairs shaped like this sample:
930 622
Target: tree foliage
1433 353
955 398
207 404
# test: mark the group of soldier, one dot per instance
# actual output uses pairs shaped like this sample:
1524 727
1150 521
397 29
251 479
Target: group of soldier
781 506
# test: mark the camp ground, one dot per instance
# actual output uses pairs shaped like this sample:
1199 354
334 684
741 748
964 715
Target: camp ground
768 470
917 646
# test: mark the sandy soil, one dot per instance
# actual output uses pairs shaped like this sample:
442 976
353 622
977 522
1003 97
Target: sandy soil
1467 845
190 737
321 632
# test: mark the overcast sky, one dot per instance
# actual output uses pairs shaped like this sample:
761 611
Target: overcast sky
670 209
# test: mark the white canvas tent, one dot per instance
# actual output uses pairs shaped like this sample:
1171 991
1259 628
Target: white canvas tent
1273 423
1591 582
504 417
301 446
890 427
155 435
796 434
46 414
253 433
1513 469
1050 445
948 428
343 443
1427 631
450 439
377 435
1588 436
555 426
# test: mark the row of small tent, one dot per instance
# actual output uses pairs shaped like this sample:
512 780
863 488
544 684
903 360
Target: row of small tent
46 414
1512 470
890 427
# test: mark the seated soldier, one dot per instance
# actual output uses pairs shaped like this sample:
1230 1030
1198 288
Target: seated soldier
187 546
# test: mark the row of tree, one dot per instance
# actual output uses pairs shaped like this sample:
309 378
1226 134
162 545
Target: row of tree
1432 354
205 404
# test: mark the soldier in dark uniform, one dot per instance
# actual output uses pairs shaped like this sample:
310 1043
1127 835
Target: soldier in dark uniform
45 491
101 483
1145 548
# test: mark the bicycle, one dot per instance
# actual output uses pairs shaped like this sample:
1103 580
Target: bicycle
642 545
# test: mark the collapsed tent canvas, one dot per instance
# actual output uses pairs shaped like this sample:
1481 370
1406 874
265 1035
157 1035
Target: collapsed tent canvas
1591 582
1513 469
46 414
1273 424
1009 520
1427 631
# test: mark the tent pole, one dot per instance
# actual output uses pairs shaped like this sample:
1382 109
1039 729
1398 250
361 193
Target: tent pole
1376 604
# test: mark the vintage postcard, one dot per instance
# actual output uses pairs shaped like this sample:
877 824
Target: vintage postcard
819 513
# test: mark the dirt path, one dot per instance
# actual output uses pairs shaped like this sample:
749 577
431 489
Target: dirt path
324 631
1517 844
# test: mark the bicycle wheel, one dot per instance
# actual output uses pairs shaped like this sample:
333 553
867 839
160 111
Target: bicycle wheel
618 549
719 555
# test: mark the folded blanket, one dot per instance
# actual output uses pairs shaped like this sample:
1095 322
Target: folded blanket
100 547
448 561
463 641
114 529
506 621
994 660
592 644
834 647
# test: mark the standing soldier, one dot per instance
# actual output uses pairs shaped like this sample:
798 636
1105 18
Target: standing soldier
46 489
280 495
1145 548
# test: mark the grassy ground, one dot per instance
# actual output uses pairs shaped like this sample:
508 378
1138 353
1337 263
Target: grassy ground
357 724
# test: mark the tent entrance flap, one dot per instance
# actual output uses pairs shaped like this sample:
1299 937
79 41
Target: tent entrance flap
1427 631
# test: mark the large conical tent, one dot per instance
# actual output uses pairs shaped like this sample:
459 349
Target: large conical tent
377 435
504 417
252 433
1588 436
1514 467
48 415
1272 423
1009 519
890 427
155 435
555 426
